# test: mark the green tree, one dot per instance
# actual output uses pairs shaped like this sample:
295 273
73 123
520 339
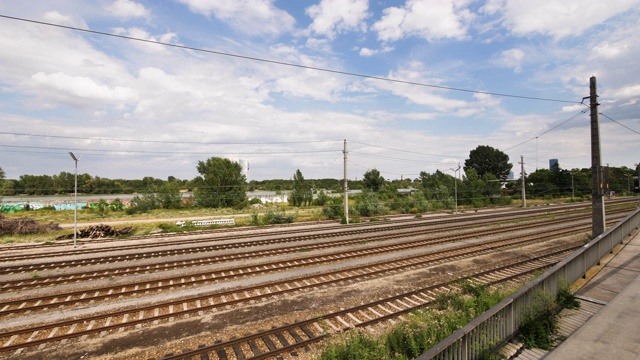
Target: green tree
372 180
221 184
2 175
169 195
485 159
301 194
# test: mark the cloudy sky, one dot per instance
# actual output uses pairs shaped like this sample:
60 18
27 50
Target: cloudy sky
282 84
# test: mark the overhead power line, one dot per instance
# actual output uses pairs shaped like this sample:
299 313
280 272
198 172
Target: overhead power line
549 130
283 63
400 150
166 141
624 126
168 152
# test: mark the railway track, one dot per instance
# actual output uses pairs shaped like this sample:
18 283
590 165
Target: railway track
23 284
291 338
205 236
18 340
83 326
69 299
27 338
108 259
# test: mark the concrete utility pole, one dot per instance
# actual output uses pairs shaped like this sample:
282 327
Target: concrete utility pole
597 188
346 197
524 198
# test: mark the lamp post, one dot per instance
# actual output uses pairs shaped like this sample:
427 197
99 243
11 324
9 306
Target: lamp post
572 192
75 196
455 186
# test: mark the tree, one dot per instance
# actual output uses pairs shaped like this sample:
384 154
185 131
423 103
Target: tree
485 159
169 195
221 184
372 180
2 175
301 194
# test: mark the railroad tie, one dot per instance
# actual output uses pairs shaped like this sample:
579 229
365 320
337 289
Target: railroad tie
354 318
283 340
254 348
364 314
267 341
222 355
238 352
346 324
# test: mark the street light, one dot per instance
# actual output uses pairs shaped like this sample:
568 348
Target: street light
572 190
455 185
75 208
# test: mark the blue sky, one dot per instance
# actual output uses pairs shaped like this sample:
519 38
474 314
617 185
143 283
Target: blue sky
136 109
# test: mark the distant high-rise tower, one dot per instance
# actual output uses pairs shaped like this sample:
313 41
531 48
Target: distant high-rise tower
245 168
552 164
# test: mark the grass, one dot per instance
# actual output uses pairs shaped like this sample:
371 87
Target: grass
421 331
242 218
539 324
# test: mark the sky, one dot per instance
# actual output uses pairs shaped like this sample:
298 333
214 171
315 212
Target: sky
410 85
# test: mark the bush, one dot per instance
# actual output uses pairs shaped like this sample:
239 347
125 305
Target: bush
565 298
24 226
334 208
424 329
539 323
277 216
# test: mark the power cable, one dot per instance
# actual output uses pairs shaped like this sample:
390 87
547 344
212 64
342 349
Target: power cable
307 67
167 152
405 151
624 126
395 158
548 130
167 142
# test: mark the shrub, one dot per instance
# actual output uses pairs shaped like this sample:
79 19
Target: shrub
564 297
539 323
424 329
277 216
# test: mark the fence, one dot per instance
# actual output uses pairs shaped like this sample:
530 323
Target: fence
498 324
208 222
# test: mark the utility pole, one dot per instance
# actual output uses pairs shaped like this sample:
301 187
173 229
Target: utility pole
597 188
346 197
524 198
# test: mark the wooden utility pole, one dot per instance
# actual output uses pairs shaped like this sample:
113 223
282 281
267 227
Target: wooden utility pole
346 197
597 188
524 197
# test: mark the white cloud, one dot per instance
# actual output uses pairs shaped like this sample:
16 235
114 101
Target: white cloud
336 16
513 58
557 18
627 92
60 19
428 19
75 89
142 34
253 17
127 9
366 52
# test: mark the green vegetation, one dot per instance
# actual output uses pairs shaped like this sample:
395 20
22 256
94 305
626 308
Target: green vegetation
424 329
539 324
486 160
301 194
221 184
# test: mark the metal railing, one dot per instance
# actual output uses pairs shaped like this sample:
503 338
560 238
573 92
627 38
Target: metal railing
498 324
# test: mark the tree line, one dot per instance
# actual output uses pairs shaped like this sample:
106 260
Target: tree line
481 182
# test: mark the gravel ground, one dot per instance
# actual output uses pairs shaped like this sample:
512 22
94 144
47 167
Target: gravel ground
151 341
